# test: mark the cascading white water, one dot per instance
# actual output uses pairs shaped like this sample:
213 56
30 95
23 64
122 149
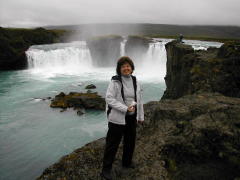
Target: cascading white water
64 58
155 61
122 50
75 59
153 66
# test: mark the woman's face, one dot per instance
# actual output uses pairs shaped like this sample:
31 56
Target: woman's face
126 69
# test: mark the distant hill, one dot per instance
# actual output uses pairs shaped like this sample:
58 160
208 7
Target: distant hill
221 32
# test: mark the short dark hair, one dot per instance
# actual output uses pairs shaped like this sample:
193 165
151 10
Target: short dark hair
122 60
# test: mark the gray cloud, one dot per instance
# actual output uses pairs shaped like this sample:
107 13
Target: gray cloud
27 13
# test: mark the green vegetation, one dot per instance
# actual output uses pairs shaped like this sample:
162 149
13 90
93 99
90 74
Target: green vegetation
196 32
172 165
15 41
31 36
196 69
231 48
202 38
139 37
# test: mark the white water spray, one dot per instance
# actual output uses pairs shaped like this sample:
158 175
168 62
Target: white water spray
122 50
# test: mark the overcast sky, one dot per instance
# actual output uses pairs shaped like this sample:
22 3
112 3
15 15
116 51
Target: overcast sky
27 13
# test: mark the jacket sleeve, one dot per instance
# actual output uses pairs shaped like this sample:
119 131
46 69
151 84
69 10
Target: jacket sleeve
140 115
111 98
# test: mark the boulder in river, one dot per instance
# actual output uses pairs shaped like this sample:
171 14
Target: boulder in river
79 100
90 86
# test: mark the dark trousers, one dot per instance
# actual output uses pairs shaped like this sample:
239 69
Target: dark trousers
113 139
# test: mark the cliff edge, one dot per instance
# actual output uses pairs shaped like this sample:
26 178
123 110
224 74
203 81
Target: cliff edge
214 70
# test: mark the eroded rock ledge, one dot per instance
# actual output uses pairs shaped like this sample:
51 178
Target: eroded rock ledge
193 137
105 50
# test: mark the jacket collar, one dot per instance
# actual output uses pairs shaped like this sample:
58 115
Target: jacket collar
118 78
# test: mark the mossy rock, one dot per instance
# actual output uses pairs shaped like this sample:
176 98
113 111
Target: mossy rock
230 49
76 100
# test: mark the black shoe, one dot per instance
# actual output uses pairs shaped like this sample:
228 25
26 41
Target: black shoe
106 175
132 165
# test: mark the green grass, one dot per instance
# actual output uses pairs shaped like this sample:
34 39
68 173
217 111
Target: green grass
202 38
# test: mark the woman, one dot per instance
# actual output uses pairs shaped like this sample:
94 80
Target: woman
124 108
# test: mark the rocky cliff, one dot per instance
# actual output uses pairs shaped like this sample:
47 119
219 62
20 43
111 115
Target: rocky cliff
192 134
136 47
105 50
214 70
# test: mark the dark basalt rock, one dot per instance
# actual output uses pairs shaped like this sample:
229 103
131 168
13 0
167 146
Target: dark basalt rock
179 62
105 50
201 136
90 86
230 49
192 137
80 112
79 100
214 70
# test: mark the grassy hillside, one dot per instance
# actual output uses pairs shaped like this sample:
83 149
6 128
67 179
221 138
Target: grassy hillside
221 33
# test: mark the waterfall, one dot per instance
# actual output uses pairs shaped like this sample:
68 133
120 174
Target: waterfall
122 50
154 64
60 58
156 54
75 58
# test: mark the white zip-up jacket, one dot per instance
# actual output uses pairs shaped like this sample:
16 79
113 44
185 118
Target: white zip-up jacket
119 108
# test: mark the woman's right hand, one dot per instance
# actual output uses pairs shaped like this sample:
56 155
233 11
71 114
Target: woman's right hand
131 108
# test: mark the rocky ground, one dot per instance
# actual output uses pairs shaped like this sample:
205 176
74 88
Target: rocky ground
193 137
